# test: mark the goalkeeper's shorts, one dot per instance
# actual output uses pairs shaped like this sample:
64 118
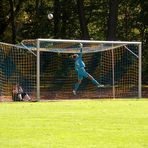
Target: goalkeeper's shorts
82 73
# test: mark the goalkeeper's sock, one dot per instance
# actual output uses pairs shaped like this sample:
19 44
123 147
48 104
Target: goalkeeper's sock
95 82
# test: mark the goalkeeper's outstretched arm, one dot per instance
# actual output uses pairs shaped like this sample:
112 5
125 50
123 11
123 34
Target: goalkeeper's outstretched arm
81 50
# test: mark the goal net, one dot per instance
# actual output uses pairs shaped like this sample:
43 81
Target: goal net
17 66
46 70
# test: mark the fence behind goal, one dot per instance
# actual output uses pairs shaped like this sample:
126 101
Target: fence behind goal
46 71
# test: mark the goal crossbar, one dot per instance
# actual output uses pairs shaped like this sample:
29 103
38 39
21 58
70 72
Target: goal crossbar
87 41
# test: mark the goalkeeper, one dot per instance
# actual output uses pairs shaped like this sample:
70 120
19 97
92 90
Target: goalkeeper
81 72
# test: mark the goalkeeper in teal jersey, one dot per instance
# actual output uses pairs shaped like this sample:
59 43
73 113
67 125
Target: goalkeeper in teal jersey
81 72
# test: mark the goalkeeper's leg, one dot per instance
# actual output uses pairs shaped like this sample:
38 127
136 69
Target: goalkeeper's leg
94 81
80 78
76 86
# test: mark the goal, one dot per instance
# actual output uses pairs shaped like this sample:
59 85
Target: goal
46 71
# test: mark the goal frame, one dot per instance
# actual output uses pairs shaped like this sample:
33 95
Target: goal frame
39 40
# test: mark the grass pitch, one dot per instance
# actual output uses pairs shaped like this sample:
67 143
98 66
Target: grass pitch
74 124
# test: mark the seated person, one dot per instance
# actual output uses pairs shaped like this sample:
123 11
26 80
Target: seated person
19 95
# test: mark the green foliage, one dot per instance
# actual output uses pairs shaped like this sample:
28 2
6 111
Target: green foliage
32 20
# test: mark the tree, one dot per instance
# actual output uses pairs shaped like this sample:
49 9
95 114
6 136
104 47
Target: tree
143 27
82 19
12 19
57 18
9 11
112 19
3 18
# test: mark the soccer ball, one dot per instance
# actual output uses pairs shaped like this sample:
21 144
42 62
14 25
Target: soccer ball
50 16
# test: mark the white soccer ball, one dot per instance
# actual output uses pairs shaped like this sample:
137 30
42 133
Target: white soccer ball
50 16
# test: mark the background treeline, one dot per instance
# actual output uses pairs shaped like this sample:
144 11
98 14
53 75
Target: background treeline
76 19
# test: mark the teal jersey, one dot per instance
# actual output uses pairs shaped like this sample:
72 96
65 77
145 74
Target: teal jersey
79 62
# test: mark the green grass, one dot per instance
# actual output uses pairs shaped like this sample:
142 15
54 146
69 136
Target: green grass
74 124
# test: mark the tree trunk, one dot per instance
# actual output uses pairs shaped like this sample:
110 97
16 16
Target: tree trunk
2 20
12 21
57 19
112 20
83 25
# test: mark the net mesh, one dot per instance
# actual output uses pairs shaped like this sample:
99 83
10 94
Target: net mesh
113 65
110 64
17 66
